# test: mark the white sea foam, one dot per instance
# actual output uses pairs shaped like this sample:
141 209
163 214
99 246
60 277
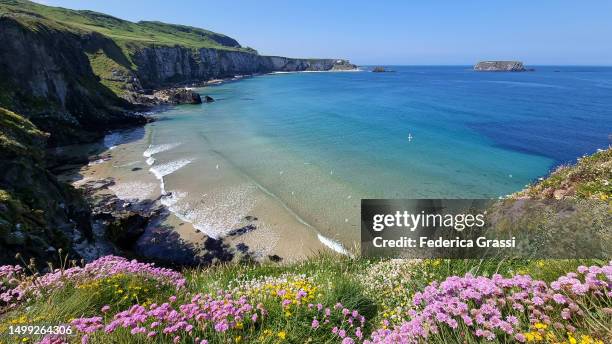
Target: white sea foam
334 245
150 161
165 169
215 214
154 149
133 190
170 201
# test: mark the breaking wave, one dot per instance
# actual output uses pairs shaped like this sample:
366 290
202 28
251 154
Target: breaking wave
160 171
154 149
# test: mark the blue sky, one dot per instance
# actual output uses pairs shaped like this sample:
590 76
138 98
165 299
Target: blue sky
394 32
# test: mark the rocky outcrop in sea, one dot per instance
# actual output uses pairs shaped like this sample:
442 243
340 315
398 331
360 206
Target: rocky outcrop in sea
500 66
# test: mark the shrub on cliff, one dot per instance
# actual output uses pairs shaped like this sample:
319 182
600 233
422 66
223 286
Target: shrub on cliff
590 177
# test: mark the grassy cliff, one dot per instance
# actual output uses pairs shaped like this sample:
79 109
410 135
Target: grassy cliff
38 214
122 31
590 177
76 73
68 71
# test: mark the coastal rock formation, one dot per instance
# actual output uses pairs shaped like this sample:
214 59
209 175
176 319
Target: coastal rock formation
500 66
178 96
343 65
162 66
38 213
381 69
126 228
46 75
208 99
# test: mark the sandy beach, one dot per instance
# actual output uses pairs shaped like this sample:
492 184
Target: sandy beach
120 169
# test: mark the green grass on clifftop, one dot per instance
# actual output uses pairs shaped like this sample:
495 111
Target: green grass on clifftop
590 177
123 31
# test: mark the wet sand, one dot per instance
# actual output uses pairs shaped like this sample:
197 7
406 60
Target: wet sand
267 232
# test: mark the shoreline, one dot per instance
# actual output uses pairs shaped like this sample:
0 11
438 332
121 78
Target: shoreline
102 170
89 172
323 240
238 77
327 242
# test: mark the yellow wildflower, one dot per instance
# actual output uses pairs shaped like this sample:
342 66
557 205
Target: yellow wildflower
540 326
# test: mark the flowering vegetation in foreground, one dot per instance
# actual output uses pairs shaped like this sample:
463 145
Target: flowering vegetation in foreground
16 285
327 300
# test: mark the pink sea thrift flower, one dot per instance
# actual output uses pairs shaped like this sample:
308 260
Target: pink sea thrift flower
315 324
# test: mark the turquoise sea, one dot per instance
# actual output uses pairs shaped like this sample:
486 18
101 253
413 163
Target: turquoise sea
317 143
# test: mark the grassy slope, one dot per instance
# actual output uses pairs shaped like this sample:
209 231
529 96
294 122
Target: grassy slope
378 290
28 208
127 36
123 31
590 177
20 142
18 136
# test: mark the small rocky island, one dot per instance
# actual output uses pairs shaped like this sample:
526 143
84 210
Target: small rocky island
500 66
380 69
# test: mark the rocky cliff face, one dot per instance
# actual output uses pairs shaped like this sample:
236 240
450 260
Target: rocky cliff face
160 66
46 75
38 214
500 66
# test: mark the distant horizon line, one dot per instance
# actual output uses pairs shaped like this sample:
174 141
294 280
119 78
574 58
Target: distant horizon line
462 65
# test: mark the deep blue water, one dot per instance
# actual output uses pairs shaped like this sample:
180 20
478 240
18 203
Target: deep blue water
556 112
